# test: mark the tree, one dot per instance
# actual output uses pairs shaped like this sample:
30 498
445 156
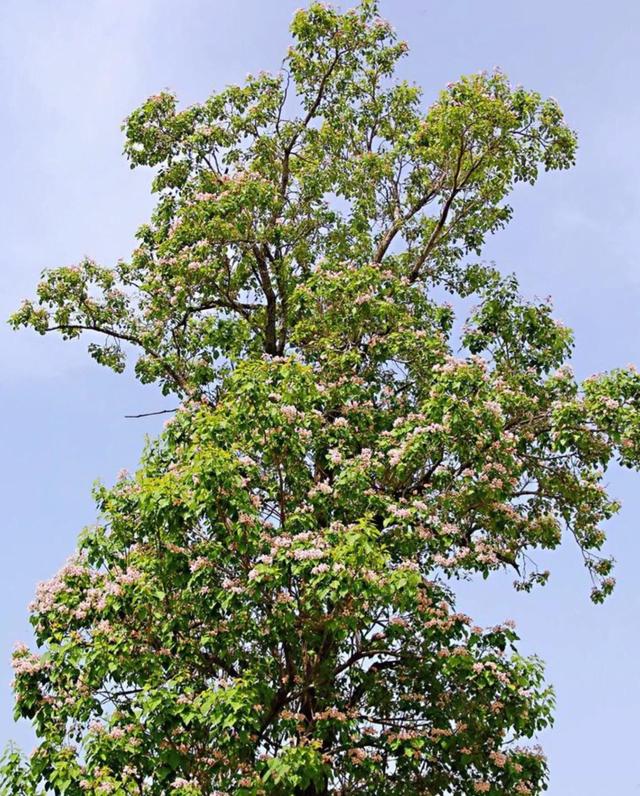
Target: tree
265 606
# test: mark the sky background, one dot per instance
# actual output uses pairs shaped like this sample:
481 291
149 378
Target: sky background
70 71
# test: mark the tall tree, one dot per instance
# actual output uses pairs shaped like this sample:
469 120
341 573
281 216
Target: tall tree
264 607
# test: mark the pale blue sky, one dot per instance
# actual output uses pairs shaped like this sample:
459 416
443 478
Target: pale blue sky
71 70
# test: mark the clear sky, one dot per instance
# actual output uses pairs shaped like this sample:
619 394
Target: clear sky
69 73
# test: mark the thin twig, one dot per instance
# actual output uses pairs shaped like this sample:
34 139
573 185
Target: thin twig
149 414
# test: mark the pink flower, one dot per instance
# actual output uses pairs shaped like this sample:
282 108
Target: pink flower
498 758
290 412
309 554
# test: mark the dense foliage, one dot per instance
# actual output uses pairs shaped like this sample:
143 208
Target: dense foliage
265 606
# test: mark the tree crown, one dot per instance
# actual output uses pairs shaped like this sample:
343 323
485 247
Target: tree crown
264 606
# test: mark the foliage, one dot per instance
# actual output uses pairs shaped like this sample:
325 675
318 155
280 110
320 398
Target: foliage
264 606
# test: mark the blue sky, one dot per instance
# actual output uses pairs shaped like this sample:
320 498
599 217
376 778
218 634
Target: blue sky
69 73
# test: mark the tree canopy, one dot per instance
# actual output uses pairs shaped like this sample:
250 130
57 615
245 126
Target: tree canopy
266 605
